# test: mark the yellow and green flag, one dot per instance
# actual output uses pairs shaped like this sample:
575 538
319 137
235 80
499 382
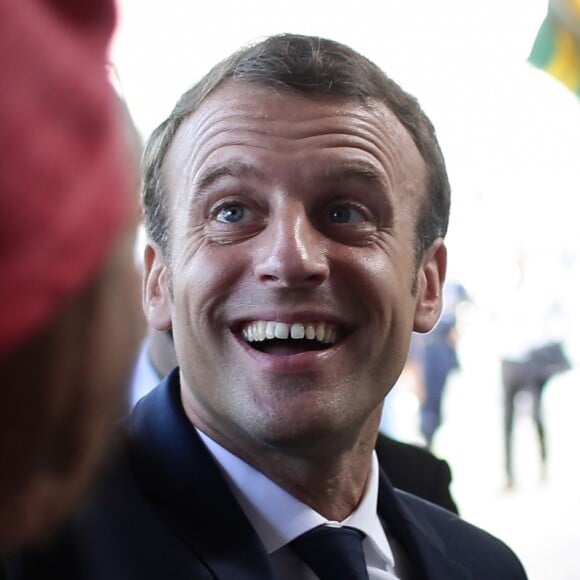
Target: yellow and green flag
557 46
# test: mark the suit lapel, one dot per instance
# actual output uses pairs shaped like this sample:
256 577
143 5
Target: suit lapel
179 476
181 480
421 543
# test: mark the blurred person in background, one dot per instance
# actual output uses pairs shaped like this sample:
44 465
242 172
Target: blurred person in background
67 219
435 355
530 330
155 361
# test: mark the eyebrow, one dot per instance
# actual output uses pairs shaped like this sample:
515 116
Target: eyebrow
355 170
230 169
337 171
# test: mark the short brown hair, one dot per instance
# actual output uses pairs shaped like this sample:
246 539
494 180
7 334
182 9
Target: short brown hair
312 66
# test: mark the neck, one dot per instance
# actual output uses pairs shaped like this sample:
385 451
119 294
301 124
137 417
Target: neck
329 476
331 484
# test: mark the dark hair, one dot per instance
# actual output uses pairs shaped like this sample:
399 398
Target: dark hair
312 66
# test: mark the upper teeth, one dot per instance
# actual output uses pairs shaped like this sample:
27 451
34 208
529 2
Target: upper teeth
266 329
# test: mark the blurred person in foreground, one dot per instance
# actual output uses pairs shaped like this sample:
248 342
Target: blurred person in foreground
67 217
296 201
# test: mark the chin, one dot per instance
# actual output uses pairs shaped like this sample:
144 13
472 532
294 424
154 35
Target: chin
299 431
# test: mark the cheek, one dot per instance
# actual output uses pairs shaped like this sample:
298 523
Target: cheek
384 284
384 294
221 269
203 289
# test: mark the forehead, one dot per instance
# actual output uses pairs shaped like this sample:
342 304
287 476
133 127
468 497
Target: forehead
274 129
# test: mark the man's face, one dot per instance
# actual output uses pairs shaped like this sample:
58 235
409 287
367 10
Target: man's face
289 286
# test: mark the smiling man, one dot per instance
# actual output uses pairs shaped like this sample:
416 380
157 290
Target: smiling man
296 201
293 215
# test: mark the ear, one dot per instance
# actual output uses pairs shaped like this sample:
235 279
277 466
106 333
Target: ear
430 279
156 294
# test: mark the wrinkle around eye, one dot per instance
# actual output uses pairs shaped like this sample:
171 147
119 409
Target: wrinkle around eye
223 234
351 234
382 238
194 240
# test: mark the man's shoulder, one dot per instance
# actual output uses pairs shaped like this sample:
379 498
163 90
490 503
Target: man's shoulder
460 541
416 470
127 530
407 454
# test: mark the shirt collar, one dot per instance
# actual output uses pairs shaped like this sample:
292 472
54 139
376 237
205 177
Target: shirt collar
279 517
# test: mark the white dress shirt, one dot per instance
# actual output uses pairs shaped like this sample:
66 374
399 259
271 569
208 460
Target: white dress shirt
279 517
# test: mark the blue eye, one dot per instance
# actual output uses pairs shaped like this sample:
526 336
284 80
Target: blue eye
231 213
343 214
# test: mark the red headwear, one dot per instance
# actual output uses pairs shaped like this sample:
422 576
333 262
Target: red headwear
65 176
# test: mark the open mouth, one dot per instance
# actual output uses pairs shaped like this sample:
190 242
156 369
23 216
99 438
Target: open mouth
280 338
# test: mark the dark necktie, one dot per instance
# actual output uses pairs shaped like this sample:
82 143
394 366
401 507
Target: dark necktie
333 553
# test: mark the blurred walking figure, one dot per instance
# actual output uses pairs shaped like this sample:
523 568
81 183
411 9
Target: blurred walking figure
436 353
531 349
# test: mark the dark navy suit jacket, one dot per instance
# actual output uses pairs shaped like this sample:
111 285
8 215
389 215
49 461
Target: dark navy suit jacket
416 470
163 511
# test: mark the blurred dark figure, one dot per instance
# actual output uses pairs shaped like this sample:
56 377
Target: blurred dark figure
67 219
532 351
436 353
416 470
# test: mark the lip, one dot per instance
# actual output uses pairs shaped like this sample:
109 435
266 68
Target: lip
303 362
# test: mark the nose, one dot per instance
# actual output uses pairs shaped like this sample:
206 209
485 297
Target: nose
293 253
